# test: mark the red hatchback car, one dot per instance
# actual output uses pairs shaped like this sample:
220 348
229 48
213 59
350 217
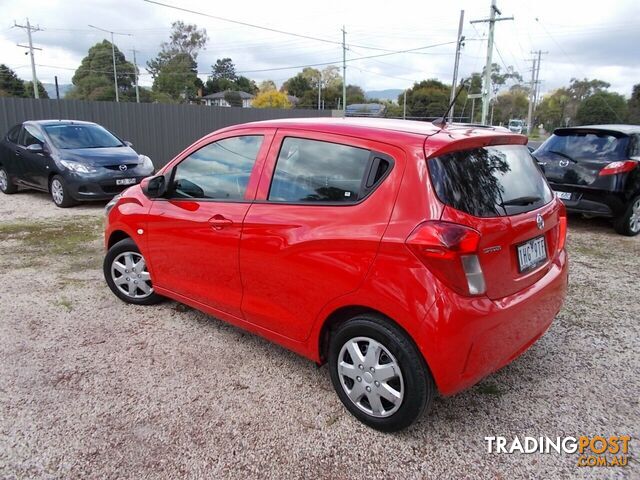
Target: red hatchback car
411 258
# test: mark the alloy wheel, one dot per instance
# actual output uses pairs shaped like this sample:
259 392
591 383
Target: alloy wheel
130 276
370 376
4 181
57 191
634 220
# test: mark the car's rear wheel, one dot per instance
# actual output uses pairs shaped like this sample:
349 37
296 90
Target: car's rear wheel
378 373
6 184
60 193
126 273
629 223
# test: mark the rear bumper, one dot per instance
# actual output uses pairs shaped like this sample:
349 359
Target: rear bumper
602 203
477 336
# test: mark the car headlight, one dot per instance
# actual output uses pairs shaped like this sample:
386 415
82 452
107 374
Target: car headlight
77 166
147 164
111 204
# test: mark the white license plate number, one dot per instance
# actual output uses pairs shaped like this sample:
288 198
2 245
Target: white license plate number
564 195
531 254
125 181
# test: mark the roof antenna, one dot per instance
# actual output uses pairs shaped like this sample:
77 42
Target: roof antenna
441 122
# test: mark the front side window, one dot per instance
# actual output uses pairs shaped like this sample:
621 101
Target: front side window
31 136
316 171
218 171
71 136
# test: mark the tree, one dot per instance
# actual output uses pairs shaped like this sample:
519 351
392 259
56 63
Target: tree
634 105
266 85
10 84
175 70
223 77
511 104
296 86
28 90
429 99
602 107
233 98
271 99
93 80
224 68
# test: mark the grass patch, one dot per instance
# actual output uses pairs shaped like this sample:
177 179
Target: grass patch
63 237
65 303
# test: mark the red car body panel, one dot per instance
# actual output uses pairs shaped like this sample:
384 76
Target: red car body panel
282 270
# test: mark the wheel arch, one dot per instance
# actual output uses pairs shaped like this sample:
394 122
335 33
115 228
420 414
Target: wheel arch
117 236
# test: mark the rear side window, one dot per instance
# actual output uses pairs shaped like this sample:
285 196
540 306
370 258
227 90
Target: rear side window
218 171
587 146
490 182
14 134
316 171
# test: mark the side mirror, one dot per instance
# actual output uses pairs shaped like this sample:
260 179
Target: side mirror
128 143
35 148
531 149
154 187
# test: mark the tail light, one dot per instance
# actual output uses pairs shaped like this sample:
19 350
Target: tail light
618 167
450 251
562 227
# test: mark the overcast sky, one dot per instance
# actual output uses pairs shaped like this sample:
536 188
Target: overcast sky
584 39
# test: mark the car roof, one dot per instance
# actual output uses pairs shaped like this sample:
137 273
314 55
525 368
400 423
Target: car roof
43 123
619 128
368 127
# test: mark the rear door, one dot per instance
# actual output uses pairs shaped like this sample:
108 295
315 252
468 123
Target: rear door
575 156
500 192
194 233
9 151
323 205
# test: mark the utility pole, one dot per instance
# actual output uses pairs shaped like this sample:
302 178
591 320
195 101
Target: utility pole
344 73
113 55
486 87
319 88
531 96
455 65
404 105
31 48
135 66
57 89
537 82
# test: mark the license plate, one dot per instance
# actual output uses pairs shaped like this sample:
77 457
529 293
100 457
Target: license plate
564 195
531 254
125 181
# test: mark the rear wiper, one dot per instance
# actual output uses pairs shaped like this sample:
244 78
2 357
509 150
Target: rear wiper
564 155
526 200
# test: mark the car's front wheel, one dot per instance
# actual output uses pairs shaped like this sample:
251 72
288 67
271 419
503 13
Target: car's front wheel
126 273
6 184
378 373
629 223
60 193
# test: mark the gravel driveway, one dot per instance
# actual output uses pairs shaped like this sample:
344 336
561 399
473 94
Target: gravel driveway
92 387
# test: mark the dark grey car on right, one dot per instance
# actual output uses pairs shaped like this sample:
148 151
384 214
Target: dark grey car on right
595 171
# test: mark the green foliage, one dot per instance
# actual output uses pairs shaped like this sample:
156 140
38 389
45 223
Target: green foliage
297 86
553 110
266 86
429 99
223 77
233 98
28 90
602 107
511 104
224 68
271 99
634 106
10 84
93 80
175 70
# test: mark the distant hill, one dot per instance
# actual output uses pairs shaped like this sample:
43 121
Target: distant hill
62 87
389 94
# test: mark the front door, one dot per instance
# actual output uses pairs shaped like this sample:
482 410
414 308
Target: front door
35 164
194 233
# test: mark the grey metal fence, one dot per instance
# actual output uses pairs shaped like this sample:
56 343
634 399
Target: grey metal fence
157 130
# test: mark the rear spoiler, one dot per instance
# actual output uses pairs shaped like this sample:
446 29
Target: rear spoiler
471 142
586 130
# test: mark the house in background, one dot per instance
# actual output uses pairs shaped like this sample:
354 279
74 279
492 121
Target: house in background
218 100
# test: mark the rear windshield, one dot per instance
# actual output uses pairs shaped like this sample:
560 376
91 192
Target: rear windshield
490 182
68 136
587 146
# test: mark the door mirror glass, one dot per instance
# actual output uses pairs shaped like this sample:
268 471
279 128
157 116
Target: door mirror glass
154 187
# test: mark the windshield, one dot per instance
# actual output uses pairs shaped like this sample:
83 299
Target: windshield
587 146
515 123
69 136
491 181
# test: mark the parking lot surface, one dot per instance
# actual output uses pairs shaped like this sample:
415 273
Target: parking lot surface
95 388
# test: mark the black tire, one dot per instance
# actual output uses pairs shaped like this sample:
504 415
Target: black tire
627 224
65 200
124 247
7 186
417 383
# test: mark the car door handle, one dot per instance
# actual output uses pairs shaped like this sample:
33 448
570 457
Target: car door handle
218 222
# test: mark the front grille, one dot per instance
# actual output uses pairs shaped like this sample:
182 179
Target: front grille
114 188
117 167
